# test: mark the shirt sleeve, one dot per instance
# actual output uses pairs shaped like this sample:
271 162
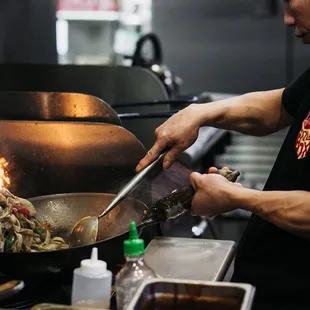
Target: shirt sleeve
295 92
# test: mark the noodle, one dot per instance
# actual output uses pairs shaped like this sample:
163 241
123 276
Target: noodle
19 229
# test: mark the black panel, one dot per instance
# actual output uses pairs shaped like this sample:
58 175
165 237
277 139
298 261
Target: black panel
223 45
29 31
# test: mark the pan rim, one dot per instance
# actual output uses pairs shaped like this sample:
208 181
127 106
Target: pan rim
37 198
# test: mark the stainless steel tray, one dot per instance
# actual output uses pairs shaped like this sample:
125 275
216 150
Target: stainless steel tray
172 294
190 259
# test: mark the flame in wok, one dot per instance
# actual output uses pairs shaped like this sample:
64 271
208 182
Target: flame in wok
4 178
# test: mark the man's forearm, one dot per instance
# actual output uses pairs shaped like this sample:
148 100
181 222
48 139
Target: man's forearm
289 210
258 113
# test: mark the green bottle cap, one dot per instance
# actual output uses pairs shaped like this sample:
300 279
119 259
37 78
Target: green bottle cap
133 246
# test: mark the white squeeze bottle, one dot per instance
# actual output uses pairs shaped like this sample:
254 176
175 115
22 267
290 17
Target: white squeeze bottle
134 271
92 283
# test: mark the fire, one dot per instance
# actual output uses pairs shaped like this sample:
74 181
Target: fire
4 178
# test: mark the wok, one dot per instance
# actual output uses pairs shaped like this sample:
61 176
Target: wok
61 212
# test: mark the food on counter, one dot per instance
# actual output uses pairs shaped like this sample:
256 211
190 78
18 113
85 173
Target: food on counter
19 229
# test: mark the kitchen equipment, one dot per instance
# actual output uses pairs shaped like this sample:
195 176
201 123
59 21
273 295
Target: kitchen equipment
85 231
179 102
171 82
105 82
178 258
180 294
61 212
39 106
65 157
10 288
179 202
53 106
172 102
137 85
47 306
182 255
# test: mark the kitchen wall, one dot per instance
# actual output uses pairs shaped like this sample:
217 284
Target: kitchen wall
28 31
227 46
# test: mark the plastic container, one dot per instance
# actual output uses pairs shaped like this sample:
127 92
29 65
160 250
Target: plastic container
135 270
92 283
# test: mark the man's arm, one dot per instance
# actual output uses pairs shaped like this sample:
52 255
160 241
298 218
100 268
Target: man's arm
258 113
289 210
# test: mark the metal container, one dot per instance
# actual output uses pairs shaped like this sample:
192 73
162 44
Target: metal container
178 258
162 294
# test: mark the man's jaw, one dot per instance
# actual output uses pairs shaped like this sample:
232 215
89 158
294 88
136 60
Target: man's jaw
305 38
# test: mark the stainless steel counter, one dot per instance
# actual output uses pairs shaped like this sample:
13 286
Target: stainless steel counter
190 259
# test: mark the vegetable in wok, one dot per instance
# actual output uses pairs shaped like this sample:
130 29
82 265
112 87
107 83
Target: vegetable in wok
19 229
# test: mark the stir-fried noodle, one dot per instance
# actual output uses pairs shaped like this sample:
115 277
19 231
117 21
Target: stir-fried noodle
19 229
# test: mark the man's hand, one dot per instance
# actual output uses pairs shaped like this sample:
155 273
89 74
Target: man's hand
178 133
214 194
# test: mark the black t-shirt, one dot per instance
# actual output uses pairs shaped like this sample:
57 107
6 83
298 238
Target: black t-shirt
277 262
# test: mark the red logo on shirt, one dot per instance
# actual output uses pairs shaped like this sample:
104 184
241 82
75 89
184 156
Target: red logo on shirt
303 139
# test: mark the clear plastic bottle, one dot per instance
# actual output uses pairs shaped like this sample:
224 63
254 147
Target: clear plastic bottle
134 271
92 284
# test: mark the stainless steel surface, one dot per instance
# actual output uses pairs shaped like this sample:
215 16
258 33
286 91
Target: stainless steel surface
62 211
85 230
219 295
63 157
52 106
178 258
110 83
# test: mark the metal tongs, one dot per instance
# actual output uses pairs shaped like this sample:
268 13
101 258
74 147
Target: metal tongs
178 202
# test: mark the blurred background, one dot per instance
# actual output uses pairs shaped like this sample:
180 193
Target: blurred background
223 46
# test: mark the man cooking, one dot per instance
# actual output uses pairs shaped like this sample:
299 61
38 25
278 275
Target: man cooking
274 254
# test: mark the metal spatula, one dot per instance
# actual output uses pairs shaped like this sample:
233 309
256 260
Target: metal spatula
85 231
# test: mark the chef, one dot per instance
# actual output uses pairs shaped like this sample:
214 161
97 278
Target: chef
274 254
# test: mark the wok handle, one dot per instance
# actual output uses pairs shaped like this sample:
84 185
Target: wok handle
186 194
183 196
147 115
